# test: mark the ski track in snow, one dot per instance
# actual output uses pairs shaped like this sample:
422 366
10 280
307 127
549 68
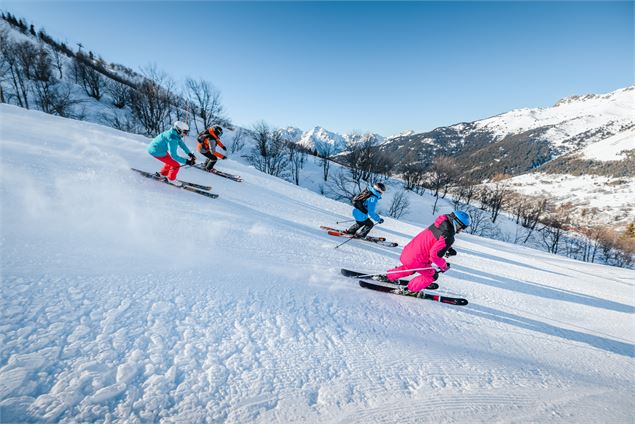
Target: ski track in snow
127 300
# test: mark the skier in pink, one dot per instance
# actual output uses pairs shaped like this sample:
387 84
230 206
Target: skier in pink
428 247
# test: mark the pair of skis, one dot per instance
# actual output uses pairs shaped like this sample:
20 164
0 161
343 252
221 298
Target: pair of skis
203 190
371 281
215 171
341 233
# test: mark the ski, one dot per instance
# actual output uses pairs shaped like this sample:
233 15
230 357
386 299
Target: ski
186 186
233 177
340 233
381 278
187 183
405 292
214 171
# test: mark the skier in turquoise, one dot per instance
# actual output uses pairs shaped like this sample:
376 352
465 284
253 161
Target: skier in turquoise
364 206
164 148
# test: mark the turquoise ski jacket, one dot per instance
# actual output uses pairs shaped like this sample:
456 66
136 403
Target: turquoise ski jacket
166 143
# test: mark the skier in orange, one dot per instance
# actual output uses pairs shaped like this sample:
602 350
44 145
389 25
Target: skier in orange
207 141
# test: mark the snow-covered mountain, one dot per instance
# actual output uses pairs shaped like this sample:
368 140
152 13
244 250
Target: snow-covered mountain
323 141
126 300
571 125
584 140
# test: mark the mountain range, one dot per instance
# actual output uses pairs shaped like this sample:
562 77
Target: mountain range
525 140
326 142
514 142
580 151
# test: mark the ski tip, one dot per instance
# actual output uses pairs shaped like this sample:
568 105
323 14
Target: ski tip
348 273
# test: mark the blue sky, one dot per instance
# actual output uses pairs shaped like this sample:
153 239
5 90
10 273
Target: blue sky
384 67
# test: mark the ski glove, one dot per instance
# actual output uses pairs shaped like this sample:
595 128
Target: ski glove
191 160
224 157
445 268
450 252
381 221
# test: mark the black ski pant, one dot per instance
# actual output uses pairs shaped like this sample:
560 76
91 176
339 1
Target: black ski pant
211 160
363 227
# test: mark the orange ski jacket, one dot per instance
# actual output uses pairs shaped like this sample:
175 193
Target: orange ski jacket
207 141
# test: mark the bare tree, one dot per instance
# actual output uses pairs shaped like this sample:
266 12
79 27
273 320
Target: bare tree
413 176
18 60
296 157
122 123
58 61
87 76
365 161
481 224
343 187
498 194
267 155
358 153
119 92
4 65
152 102
441 174
466 188
205 100
617 248
532 214
26 54
554 226
238 141
399 204
44 82
325 154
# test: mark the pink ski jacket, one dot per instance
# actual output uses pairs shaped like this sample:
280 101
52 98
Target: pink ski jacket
430 245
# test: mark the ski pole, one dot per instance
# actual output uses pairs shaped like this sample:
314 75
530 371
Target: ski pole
341 222
394 272
344 242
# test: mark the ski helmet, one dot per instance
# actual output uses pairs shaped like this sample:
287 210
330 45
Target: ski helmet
380 187
218 130
462 218
181 128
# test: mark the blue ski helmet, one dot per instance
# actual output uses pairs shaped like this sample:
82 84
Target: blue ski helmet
462 218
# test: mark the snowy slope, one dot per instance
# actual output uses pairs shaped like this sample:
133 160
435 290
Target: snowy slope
611 148
613 198
86 107
127 300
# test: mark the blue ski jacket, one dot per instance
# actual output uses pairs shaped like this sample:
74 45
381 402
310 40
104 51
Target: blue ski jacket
167 142
370 204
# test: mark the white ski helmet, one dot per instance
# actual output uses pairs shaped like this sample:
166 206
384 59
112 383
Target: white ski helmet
181 128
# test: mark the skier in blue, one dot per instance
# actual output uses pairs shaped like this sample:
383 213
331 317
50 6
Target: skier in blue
164 148
364 206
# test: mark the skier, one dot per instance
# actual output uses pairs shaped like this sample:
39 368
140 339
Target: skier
207 141
164 148
364 205
429 246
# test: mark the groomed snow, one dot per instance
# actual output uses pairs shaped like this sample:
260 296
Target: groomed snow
127 300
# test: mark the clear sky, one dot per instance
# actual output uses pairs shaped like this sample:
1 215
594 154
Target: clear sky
384 67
